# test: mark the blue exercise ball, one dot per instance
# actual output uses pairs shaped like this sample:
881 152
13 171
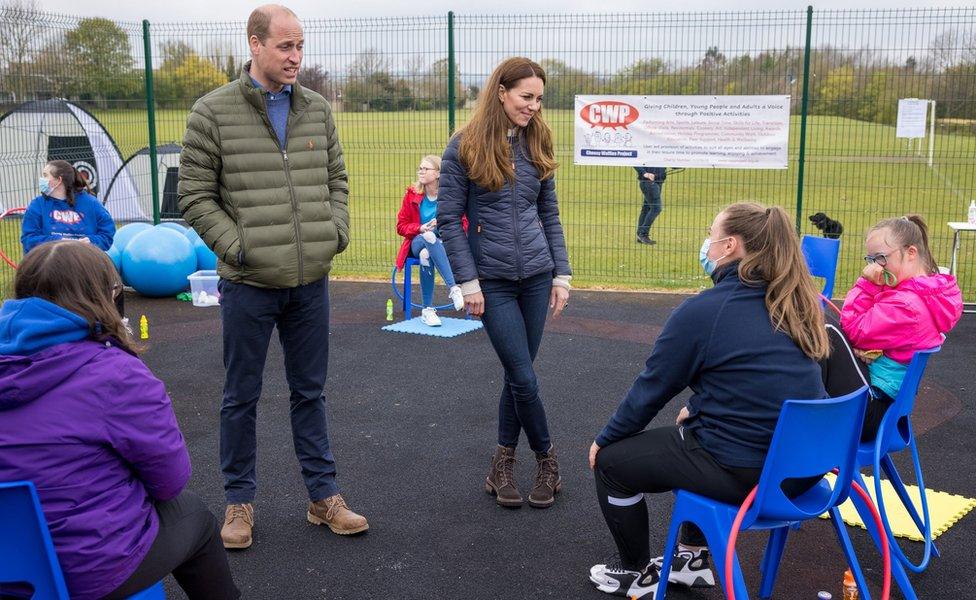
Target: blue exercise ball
157 262
206 259
125 234
116 255
174 226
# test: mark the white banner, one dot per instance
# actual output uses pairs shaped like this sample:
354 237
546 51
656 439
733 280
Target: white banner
736 132
911 118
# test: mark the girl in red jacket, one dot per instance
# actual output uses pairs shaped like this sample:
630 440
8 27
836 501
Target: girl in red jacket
417 223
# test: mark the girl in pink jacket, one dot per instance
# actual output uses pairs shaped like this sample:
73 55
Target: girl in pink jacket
899 305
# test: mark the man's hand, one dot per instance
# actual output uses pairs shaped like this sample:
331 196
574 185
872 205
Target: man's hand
649 176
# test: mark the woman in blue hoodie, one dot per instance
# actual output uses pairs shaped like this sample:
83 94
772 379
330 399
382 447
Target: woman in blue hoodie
743 347
84 419
65 210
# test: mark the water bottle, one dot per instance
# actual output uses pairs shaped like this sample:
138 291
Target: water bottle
850 586
389 309
143 328
972 212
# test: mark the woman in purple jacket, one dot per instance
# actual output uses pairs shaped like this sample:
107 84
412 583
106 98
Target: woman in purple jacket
84 419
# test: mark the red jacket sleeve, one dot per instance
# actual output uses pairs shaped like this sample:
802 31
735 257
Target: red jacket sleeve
408 219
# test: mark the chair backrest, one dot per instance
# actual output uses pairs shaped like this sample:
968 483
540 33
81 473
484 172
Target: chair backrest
895 431
812 437
821 254
25 542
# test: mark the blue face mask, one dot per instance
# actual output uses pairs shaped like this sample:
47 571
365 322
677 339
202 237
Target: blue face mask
709 265
44 185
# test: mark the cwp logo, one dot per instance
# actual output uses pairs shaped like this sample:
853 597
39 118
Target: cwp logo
609 113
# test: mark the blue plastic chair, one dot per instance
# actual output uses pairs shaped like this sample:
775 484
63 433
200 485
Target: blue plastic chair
812 437
822 254
894 435
26 547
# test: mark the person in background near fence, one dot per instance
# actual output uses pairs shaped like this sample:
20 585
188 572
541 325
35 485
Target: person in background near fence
417 223
66 210
743 347
498 171
84 419
263 181
901 304
651 180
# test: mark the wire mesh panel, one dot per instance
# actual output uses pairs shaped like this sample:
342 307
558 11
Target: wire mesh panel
858 171
390 84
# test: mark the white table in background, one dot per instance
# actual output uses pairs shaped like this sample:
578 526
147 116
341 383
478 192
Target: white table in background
958 228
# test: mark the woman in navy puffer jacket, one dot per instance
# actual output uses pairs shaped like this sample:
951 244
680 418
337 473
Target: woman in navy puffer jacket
512 264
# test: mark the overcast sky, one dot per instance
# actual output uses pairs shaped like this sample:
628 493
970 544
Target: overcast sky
236 10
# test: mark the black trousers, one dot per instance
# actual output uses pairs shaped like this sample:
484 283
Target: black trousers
843 372
188 546
655 461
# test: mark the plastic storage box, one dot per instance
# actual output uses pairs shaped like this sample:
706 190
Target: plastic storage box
203 288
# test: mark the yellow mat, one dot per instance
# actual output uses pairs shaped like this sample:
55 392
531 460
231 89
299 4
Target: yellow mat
944 509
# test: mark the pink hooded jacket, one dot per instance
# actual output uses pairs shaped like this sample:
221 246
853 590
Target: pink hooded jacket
901 320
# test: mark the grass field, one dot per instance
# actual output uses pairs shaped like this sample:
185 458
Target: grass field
856 172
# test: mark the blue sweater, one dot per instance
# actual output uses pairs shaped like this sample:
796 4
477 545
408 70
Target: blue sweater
722 345
48 219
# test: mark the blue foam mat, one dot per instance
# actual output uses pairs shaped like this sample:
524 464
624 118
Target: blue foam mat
450 327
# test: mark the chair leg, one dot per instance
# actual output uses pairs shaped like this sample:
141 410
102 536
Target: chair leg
898 573
845 541
716 523
407 286
896 482
771 559
669 547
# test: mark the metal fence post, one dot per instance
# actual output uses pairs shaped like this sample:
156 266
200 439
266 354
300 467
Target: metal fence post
451 70
803 120
151 118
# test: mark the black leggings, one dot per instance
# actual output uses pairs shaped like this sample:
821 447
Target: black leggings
655 461
188 546
843 372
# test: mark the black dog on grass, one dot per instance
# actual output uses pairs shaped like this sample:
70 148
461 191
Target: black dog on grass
830 228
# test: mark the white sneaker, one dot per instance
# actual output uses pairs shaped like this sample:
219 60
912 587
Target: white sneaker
614 579
457 297
428 316
688 568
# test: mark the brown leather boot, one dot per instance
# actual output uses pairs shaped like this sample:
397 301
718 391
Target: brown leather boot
238 522
332 511
547 481
501 478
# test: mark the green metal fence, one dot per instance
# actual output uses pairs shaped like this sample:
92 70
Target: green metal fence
401 85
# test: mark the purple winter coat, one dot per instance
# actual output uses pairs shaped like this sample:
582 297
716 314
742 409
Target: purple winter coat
91 426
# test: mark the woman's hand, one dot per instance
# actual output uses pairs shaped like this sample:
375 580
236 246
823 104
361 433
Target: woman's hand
867 356
558 299
475 303
684 414
594 449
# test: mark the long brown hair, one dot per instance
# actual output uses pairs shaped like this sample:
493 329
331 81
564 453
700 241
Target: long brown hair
484 148
73 181
773 257
906 231
77 277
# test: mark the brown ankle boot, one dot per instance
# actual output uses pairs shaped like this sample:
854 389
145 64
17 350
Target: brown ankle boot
501 478
334 513
547 481
238 522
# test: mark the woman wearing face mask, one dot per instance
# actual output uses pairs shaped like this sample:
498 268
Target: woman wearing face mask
65 210
513 267
417 223
743 347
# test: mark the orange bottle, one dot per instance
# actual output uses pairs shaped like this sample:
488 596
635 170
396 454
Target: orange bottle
850 586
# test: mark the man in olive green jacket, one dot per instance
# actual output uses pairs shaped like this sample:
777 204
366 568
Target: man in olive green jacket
263 181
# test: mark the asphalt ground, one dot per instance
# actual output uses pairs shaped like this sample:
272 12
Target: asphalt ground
412 420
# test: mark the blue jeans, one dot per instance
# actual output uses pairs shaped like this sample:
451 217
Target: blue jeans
438 260
248 316
652 207
515 315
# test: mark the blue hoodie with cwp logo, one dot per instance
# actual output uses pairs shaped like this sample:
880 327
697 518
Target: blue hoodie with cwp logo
49 219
